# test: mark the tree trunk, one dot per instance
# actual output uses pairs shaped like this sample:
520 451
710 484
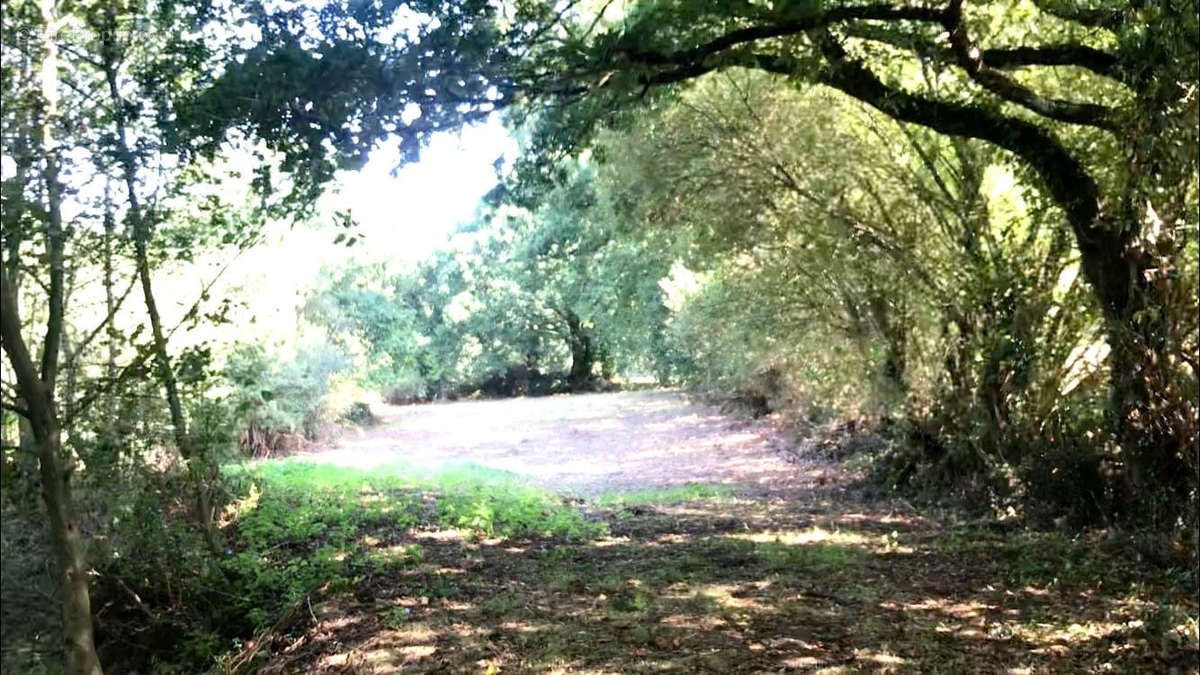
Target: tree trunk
583 355
79 650
110 309
36 386
140 227
890 324
1153 404
78 639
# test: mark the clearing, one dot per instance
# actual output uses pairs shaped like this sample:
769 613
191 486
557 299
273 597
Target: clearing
639 532
584 444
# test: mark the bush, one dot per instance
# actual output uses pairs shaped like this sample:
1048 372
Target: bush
282 404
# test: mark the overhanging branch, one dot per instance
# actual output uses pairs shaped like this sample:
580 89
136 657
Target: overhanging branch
971 60
783 28
1064 176
1103 63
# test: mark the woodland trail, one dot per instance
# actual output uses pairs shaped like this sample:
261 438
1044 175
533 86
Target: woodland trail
787 569
587 444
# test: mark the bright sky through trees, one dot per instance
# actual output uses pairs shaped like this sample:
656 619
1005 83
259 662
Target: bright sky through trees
407 215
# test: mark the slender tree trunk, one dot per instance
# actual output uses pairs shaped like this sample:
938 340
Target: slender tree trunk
79 650
36 386
890 324
141 238
109 298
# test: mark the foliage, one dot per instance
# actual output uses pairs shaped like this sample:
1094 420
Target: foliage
970 225
676 495
518 303
272 399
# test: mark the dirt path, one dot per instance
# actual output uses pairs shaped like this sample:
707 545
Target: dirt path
792 573
585 444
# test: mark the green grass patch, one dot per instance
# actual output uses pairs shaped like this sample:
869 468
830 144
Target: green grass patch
807 557
295 526
1038 559
294 500
670 495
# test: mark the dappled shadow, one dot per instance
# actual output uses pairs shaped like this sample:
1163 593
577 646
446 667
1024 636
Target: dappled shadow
797 571
739 585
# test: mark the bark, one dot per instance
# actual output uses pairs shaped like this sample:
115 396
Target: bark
1153 417
79 651
110 307
37 393
1152 408
583 353
36 385
1153 395
891 326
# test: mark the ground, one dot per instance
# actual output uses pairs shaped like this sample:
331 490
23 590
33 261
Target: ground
584 445
719 545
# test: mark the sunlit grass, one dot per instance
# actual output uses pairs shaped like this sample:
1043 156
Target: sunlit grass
471 565
295 526
461 496
665 496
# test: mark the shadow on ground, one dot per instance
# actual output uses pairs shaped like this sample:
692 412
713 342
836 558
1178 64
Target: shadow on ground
740 585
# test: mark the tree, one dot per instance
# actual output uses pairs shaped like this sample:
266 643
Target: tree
36 384
1115 152
919 252
1130 224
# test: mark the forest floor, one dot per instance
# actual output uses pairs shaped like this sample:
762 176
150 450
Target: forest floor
703 543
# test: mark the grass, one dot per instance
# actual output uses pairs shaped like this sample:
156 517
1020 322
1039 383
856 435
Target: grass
295 527
690 588
466 568
297 500
662 496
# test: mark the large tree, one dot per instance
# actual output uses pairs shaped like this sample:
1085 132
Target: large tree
1098 101
1114 146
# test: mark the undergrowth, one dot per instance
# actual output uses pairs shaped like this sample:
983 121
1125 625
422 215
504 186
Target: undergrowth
294 528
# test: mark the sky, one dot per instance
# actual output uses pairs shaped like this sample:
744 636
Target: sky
408 215
404 218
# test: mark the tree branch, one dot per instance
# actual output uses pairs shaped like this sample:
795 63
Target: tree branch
1103 63
1109 19
879 12
79 349
971 60
1065 177
12 407
28 382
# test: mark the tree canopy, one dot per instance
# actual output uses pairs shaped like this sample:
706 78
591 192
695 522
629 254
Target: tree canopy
970 228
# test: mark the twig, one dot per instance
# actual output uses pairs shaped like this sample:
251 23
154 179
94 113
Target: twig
308 600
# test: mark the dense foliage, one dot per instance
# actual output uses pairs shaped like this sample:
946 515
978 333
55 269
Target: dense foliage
970 229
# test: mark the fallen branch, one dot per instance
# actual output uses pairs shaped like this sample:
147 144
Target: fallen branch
241 663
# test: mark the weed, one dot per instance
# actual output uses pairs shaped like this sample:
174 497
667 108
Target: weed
297 526
808 557
608 584
396 617
397 557
501 604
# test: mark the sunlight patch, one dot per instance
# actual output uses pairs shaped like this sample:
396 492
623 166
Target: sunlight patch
815 535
